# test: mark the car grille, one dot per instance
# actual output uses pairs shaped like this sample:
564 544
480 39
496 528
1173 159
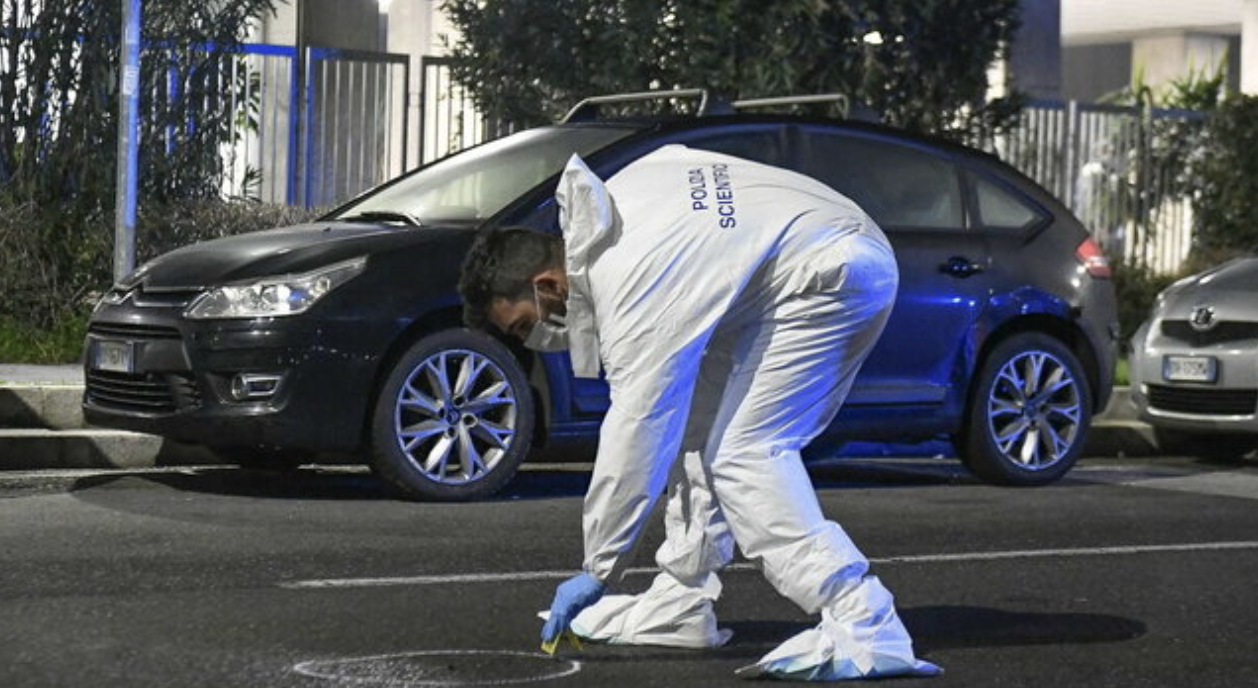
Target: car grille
133 331
1203 402
143 392
1230 331
154 393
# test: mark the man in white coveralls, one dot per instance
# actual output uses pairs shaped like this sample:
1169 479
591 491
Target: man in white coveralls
730 304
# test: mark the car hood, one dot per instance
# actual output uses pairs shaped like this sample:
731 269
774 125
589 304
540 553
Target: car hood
286 250
1228 289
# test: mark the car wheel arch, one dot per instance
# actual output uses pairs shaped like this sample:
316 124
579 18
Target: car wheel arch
429 323
1065 331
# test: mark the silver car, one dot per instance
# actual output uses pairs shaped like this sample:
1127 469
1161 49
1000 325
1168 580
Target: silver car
1194 363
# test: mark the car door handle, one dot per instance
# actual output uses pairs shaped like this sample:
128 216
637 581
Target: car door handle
960 267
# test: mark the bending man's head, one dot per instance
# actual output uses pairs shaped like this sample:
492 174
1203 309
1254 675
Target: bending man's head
512 278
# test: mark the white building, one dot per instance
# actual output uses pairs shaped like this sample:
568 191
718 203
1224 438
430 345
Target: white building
1106 44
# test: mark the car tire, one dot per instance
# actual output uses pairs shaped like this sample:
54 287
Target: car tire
1212 446
453 419
1029 412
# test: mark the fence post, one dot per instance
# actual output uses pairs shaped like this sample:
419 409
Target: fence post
128 142
1073 154
1144 161
406 113
294 126
307 102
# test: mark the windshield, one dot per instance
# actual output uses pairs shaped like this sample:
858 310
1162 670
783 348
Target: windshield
476 184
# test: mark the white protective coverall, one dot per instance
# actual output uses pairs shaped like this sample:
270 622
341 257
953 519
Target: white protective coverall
731 304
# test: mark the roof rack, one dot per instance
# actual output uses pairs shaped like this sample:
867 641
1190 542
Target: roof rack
856 112
792 100
588 108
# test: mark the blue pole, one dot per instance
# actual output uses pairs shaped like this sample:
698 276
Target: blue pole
128 141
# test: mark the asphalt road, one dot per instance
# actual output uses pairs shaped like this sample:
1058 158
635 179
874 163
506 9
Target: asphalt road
1126 574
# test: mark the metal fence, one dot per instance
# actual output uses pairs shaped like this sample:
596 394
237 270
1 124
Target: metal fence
1114 167
317 133
260 158
1117 169
449 119
355 123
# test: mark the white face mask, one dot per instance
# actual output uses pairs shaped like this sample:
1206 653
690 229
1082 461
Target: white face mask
549 334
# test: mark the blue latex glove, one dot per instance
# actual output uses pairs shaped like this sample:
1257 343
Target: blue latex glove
571 597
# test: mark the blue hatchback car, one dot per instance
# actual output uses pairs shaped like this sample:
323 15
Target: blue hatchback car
344 335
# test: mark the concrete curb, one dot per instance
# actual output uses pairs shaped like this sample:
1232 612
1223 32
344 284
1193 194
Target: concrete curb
1121 439
55 406
42 427
37 448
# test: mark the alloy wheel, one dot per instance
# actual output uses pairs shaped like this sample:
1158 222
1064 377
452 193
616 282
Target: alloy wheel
1034 410
455 417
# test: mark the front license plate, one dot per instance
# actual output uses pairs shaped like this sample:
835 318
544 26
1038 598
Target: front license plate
1190 369
114 356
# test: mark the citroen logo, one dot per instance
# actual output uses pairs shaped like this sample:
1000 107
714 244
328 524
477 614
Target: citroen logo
1202 318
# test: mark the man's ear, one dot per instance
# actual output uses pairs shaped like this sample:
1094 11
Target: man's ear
550 282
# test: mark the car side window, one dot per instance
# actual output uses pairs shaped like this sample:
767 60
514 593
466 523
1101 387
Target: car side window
761 143
750 143
1000 209
898 185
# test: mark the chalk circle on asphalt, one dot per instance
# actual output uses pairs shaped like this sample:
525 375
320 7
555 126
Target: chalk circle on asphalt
430 668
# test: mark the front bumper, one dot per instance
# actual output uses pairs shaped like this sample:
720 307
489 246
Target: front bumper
1229 404
176 379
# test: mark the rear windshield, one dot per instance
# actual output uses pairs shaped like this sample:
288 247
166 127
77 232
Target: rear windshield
477 183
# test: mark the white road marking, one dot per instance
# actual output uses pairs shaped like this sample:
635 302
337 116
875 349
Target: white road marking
443 579
527 576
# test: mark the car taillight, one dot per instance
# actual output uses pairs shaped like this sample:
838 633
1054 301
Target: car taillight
1093 259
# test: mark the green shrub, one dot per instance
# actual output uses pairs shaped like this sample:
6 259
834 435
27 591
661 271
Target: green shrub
1227 178
61 343
922 65
49 264
1137 286
59 99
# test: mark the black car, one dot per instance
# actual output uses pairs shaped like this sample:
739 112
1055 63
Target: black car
344 335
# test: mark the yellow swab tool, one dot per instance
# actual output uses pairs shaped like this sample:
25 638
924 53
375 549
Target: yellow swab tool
551 646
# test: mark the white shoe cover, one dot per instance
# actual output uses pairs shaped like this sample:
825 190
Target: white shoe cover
668 614
860 636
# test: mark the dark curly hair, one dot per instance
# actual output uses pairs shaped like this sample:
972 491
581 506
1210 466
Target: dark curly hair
502 264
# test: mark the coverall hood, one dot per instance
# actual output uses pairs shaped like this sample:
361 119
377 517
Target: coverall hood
590 223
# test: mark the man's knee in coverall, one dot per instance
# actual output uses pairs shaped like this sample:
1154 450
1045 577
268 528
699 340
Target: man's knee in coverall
731 305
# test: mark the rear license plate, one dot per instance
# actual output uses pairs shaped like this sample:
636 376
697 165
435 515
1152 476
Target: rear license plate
1190 369
114 356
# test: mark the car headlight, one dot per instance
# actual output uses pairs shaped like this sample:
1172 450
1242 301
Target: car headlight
274 296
